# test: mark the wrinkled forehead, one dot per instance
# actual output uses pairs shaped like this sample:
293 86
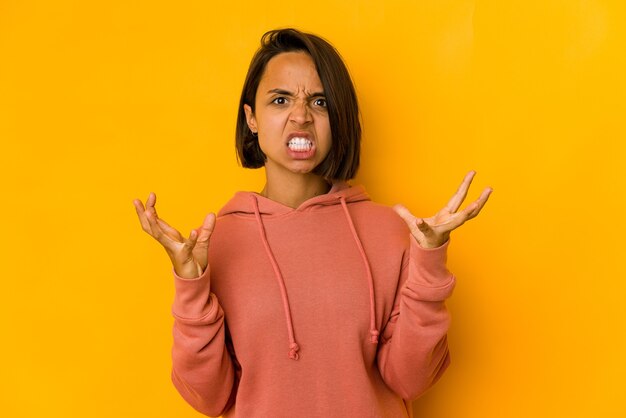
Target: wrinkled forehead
291 71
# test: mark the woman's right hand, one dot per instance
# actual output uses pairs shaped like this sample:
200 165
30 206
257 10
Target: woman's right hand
189 256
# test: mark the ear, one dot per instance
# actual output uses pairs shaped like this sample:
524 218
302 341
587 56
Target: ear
250 118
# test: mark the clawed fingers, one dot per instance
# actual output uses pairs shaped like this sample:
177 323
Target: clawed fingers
140 213
455 202
151 223
188 255
150 204
471 211
435 231
474 209
169 231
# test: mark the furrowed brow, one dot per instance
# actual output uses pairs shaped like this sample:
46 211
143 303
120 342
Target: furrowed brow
288 93
280 91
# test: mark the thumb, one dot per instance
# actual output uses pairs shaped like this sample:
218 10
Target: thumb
424 227
184 263
405 214
417 226
205 231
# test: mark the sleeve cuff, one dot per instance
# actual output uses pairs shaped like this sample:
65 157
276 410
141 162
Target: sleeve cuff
192 296
428 265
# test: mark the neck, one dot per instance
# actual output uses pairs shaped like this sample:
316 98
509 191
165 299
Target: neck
294 190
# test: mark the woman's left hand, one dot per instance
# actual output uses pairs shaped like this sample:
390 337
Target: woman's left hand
435 231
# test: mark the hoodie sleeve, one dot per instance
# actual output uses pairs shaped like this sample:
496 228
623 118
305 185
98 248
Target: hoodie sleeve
203 371
414 350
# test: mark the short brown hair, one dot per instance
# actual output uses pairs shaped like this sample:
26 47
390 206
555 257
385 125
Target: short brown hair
342 162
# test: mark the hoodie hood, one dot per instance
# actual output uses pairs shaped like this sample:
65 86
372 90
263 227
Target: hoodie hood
253 204
241 203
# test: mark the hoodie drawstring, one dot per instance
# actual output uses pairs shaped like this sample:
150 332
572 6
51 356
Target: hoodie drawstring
373 331
293 345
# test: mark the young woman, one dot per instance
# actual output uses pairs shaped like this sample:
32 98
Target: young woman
307 299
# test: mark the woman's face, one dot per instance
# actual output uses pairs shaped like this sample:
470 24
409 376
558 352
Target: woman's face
291 117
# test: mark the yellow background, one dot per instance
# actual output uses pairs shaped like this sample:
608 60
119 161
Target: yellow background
104 101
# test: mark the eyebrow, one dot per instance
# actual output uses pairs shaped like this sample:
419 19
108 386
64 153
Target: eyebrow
288 93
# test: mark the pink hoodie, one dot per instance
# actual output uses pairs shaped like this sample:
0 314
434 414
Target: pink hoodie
328 310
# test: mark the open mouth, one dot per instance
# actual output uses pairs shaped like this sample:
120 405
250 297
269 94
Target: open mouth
299 144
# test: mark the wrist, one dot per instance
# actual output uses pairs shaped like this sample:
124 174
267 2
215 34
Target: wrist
190 270
433 242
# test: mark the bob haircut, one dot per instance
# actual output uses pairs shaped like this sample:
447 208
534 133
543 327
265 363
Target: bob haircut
342 162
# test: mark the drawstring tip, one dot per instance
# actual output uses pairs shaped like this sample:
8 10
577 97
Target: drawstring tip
374 336
293 353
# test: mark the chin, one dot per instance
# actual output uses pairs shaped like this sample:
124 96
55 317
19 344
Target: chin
303 170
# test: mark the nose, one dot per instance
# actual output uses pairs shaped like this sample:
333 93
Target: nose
300 113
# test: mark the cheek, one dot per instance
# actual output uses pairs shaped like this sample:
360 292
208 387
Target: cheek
326 132
263 143
270 122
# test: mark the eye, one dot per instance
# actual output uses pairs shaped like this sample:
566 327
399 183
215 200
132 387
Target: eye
320 102
279 100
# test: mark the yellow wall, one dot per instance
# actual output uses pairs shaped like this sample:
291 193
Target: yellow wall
102 102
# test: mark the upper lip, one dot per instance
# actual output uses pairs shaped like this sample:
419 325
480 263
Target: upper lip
299 135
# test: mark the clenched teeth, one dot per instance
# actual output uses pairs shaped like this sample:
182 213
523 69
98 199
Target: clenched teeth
300 144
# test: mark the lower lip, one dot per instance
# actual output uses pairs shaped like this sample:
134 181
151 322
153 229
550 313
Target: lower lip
301 155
